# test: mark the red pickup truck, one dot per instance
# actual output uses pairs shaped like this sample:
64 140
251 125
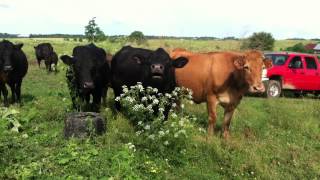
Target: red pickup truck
296 72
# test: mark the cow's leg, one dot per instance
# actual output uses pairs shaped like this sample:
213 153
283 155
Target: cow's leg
117 92
97 100
228 113
13 92
5 94
104 95
18 91
39 61
212 111
48 67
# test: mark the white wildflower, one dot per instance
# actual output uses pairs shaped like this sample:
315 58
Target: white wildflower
155 90
176 135
138 133
166 143
117 98
161 133
161 109
182 106
140 123
144 99
181 122
147 127
155 101
174 105
151 137
168 95
174 115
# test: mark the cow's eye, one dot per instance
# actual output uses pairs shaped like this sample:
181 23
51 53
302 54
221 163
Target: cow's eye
246 67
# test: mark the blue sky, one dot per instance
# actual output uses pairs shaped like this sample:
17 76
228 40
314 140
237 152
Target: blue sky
218 18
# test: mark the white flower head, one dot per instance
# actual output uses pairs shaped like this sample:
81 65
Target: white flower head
151 136
155 90
174 115
155 101
147 127
143 99
117 98
166 143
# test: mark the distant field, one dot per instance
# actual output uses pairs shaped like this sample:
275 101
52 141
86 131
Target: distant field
270 138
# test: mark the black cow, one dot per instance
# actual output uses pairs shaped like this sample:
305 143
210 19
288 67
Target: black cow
13 67
151 68
44 51
88 74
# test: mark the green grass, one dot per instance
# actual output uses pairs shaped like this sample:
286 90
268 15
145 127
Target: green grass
271 138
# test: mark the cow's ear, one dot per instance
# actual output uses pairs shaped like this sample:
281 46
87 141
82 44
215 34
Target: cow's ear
67 60
179 62
18 46
239 62
268 63
139 59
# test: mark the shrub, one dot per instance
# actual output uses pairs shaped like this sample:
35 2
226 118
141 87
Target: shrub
145 108
299 47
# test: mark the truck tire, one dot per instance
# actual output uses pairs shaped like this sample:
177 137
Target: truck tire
273 89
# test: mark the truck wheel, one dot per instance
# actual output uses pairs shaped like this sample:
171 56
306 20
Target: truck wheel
273 89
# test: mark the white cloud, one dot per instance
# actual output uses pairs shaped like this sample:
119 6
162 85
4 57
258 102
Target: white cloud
166 17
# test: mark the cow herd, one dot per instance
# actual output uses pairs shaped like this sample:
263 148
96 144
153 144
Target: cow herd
214 77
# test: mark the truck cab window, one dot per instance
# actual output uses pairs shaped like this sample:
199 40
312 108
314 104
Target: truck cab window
311 63
296 63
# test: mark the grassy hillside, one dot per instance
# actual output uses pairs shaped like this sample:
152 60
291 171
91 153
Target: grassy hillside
271 138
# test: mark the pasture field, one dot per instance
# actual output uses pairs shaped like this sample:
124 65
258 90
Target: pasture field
270 138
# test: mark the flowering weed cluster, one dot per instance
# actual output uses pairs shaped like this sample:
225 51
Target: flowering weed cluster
146 108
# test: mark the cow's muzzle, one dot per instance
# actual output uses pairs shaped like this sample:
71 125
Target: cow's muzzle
257 89
157 71
88 85
7 68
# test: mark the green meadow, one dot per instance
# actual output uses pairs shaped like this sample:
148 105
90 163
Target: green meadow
270 138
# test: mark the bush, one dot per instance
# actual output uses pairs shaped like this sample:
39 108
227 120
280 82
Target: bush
299 47
260 41
145 109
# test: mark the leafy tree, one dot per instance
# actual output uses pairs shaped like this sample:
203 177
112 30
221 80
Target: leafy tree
93 32
138 37
260 41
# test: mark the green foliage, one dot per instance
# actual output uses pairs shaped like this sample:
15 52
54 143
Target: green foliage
93 32
260 41
137 37
299 47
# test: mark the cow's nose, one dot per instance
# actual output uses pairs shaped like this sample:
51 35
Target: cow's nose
260 88
88 85
7 68
157 68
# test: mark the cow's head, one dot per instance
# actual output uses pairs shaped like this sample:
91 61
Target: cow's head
86 68
159 67
251 65
7 50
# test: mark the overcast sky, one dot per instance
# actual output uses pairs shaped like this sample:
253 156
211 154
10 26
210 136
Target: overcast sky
218 18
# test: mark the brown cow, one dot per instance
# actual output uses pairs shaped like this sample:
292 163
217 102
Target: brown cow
221 78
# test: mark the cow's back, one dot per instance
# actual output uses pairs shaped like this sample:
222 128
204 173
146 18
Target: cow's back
125 69
195 75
